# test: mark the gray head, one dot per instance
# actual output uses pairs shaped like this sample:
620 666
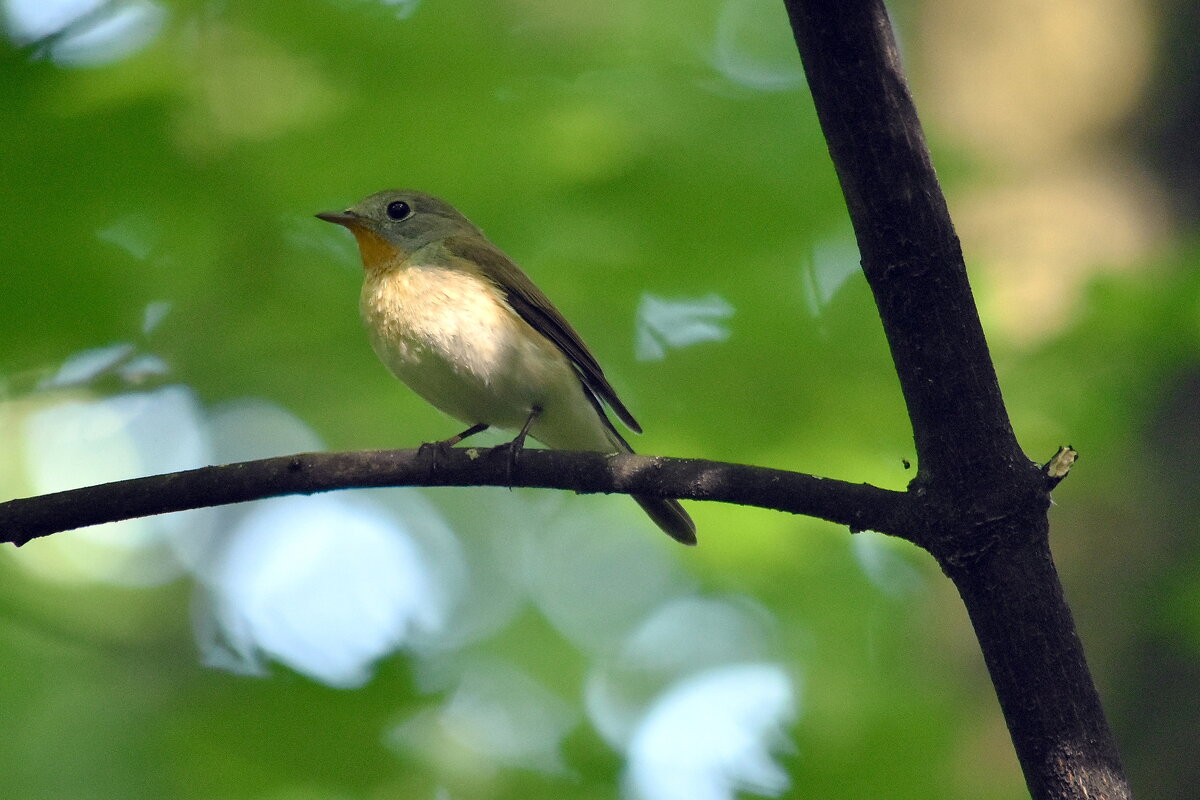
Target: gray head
405 219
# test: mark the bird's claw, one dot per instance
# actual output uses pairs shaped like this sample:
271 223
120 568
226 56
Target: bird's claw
435 453
509 451
514 448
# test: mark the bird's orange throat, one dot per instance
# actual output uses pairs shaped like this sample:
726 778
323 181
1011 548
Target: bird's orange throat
376 251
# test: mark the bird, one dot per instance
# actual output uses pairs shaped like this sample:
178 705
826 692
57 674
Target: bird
458 322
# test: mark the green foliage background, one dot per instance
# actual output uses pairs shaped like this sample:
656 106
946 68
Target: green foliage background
615 150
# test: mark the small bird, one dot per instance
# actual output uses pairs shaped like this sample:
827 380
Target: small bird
458 322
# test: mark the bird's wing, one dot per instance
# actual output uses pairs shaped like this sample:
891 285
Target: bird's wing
536 309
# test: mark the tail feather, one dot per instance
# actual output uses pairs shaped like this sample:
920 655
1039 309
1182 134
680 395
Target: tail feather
666 512
670 516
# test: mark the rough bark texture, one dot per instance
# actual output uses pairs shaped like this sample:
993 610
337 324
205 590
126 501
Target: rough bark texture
983 502
856 505
977 503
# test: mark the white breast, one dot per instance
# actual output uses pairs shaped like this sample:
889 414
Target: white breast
454 340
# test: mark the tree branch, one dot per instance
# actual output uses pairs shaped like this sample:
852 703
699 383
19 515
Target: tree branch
910 252
859 506
977 503
984 501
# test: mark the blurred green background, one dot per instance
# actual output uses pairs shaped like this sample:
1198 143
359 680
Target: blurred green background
169 301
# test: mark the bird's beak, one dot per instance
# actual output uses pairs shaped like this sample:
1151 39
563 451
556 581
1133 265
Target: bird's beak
347 219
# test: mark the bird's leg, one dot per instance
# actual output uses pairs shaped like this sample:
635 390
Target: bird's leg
440 449
518 443
479 427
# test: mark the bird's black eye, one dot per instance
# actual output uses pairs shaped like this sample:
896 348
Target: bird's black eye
398 210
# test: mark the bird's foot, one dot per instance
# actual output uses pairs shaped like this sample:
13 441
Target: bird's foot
437 452
513 449
434 454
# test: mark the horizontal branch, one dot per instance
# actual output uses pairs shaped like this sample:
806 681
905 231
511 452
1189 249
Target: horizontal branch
858 506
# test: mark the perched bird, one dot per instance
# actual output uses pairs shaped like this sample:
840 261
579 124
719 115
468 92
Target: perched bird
458 322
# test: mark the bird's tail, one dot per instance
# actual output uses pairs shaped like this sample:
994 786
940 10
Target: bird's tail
665 511
670 516
603 437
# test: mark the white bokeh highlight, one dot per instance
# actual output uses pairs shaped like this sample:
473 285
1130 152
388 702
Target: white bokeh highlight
713 735
497 716
664 325
325 585
753 47
835 260
679 638
85 440
84 33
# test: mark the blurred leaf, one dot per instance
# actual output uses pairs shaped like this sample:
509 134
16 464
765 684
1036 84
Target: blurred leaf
662 177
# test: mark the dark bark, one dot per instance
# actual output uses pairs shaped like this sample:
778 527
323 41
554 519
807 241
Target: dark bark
977 503
983 502
858 506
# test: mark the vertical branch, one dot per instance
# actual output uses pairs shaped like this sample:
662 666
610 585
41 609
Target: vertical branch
983 502
1037 664
910 252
